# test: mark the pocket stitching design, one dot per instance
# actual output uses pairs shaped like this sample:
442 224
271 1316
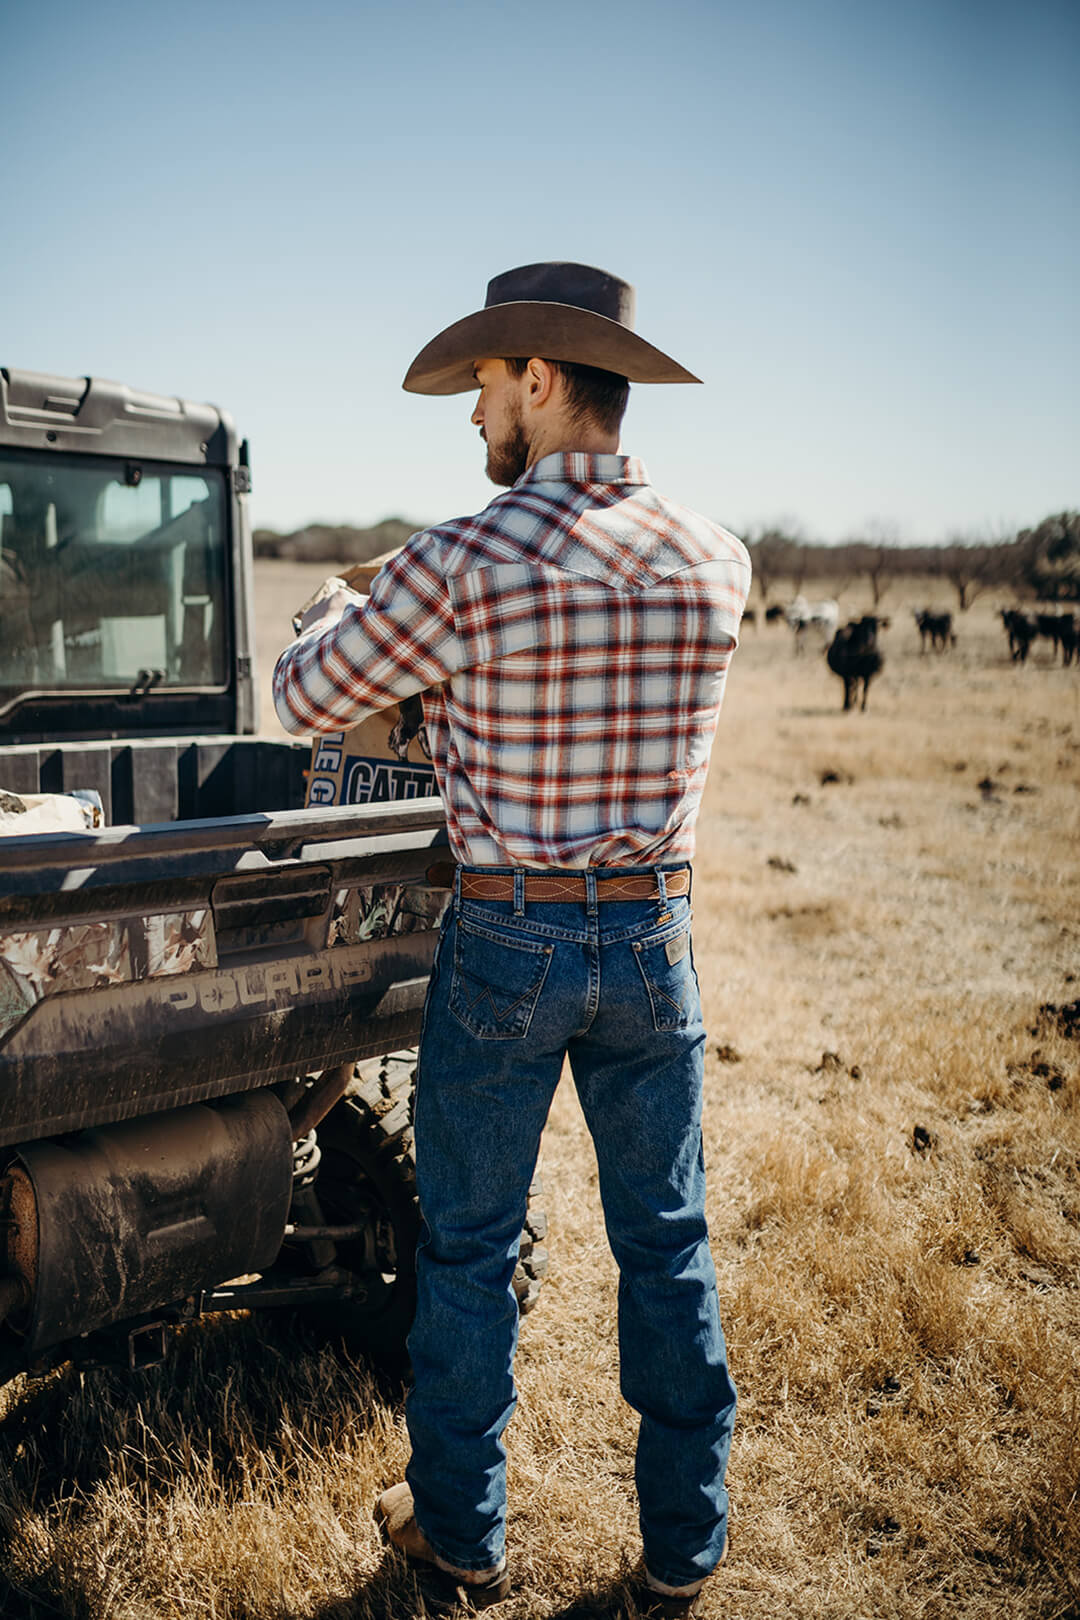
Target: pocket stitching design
466 1005
656 995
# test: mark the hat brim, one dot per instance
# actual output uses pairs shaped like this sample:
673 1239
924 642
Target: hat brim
553 331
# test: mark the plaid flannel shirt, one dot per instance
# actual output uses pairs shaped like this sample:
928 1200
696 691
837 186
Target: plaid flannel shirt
571 643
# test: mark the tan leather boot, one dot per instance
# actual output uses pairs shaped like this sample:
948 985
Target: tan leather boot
655 1601
444 1585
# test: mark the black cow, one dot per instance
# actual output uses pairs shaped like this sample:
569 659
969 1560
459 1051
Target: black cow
854 655
1021 632
935 628
774 614
1060 629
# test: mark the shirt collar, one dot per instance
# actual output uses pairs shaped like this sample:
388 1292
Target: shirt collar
578 467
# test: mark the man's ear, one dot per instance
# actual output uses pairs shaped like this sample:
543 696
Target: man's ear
540 380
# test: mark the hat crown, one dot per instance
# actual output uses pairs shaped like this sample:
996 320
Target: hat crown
558 282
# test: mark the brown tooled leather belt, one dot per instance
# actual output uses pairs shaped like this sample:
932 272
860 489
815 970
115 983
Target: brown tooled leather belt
566 886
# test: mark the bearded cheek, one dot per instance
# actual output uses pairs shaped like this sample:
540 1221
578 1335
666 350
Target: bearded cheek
507 460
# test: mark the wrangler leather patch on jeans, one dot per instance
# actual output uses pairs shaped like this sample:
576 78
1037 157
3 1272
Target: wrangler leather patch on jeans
667 968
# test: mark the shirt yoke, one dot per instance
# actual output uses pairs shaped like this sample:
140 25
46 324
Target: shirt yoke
627 538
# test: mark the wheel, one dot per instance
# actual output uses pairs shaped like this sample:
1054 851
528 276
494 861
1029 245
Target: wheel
368 1170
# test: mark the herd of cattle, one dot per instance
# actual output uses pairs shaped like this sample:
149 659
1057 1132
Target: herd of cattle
852 651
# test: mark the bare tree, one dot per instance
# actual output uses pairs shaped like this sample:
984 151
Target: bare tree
876 554
973 565
966 569
799 561
879 571
777 552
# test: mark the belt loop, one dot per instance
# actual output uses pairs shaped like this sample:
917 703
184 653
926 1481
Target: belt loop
457 888
590 893
519 892
661 888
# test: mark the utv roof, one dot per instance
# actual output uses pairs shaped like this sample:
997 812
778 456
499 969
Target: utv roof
93 415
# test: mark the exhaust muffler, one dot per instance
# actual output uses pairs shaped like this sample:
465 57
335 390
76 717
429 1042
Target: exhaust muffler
109 1223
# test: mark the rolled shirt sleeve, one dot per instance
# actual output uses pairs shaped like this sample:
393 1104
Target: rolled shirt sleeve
398 642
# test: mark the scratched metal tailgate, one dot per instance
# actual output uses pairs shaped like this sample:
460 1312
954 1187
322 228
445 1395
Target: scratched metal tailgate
146 967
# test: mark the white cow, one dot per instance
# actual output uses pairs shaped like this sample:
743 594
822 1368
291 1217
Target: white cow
802 615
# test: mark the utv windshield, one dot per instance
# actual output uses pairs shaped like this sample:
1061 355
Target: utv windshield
112 574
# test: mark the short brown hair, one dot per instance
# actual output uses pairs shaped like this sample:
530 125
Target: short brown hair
601 396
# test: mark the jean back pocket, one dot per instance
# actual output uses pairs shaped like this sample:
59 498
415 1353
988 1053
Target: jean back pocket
496 982
667 967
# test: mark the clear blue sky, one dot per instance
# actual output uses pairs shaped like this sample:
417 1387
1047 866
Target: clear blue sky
858 221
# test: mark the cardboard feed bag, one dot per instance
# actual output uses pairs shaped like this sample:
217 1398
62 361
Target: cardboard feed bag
382 759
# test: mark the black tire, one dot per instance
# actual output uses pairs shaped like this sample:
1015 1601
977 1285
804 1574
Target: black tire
368 1164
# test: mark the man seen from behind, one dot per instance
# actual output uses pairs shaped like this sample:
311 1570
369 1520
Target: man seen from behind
571 643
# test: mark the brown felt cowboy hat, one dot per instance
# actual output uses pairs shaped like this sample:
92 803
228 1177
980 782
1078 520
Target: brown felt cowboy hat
556 311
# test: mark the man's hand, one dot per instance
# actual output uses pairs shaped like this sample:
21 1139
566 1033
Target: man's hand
326 606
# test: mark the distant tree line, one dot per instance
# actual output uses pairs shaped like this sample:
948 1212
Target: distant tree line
334 543
1042 563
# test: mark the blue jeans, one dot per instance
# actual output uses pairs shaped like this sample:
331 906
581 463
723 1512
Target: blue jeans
514 989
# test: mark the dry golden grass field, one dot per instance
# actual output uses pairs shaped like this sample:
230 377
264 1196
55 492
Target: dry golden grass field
884 902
